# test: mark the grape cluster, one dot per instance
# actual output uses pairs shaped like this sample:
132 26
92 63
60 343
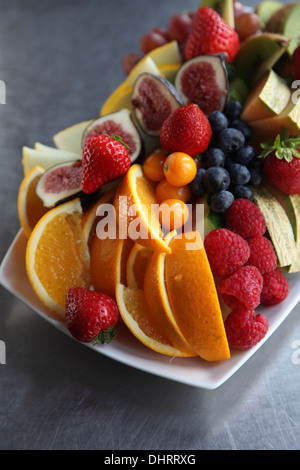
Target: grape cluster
229 167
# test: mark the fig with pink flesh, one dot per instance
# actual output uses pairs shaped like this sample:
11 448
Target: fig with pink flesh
153 99
203 81
119 123
60 183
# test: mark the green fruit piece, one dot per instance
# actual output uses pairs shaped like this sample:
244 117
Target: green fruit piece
238 89
265 130
223 7
210 221
266 9
45 158
257 56
291 205
286 21
70 139
278 225
269 98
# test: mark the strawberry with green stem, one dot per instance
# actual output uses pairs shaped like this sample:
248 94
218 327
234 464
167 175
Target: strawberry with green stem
90 315
281 166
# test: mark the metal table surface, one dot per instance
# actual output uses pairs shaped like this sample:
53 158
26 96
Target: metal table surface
59 61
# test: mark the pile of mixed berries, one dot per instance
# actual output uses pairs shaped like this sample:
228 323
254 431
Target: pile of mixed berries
229 167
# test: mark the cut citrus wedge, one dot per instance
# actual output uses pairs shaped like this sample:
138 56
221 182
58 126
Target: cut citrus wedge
70 139
30 206
57 255
91 216
193 297
136 266
157 300
108 263
134 313
137 211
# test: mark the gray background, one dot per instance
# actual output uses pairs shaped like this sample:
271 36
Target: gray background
60 60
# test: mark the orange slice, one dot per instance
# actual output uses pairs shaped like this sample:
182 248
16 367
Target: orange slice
136 316
92 215
137 211
193 297
30 206
57 255
136 266
108 263
157 301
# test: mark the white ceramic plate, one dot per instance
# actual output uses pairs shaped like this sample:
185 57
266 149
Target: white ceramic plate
126 349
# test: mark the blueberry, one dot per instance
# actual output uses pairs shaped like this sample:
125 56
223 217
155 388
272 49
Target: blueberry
245 155
242 192
255 164
233 110
231 140
228 162
243 127
216 179
213 157
221 201
256 176
218 122
239 174
197 185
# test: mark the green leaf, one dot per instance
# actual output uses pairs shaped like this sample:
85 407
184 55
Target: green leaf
284 146
119 139
105 336
295 153
284 134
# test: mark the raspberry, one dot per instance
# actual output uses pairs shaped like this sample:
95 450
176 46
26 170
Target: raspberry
244 329
242 289
262 254
226 251
275 288
245 218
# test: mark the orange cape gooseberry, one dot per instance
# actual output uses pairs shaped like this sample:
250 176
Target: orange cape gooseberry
179 169
173 214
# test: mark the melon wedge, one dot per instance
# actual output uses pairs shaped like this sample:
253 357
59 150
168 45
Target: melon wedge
70 139
278 225
291 205
45 158
265 130
268 99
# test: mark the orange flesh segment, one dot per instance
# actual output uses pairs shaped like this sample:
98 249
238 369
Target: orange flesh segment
136 316
193 298
108 263
57 257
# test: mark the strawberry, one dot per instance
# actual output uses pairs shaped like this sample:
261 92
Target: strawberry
90 315
281 166
295 64
104 159
210 34
186 130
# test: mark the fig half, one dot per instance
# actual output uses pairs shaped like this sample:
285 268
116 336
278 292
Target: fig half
60 183
203 81
119 123
153 99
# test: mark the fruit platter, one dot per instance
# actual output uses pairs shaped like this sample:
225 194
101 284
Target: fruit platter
164 233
